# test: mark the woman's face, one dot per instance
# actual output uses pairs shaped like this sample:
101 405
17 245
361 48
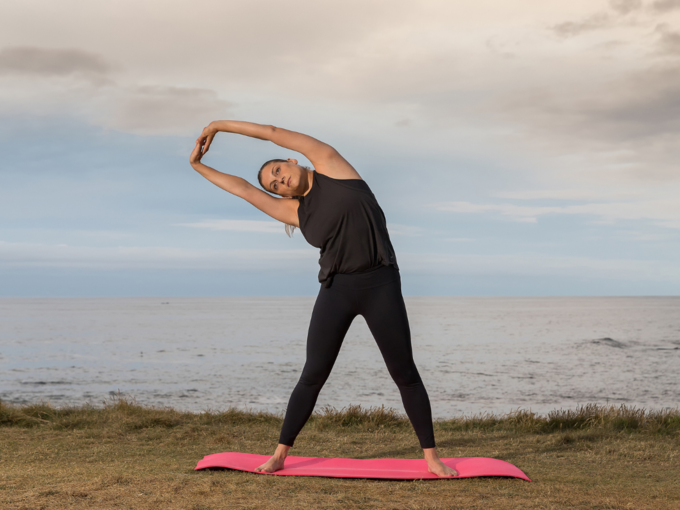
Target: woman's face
286 179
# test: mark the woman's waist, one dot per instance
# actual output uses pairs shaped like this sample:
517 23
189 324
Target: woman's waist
375 276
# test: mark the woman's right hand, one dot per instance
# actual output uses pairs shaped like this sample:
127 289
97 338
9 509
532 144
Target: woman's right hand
207 136
196 154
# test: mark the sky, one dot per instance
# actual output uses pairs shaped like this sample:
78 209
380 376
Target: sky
517 147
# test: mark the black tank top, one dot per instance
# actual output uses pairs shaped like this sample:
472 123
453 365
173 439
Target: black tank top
343 219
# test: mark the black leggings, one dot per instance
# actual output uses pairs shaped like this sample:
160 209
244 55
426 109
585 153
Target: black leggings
376 295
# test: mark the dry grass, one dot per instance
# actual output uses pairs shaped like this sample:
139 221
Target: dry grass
127 456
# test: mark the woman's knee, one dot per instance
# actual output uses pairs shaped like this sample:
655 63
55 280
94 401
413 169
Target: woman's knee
314 377
406 375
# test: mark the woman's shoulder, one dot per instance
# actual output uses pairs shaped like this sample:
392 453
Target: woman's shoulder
355 184
336 167
323 175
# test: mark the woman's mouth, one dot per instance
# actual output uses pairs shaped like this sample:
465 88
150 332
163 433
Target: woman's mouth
289 182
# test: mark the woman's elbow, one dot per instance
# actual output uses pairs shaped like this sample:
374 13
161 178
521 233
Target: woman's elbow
268 132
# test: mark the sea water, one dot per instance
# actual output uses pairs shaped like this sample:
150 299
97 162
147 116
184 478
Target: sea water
474 354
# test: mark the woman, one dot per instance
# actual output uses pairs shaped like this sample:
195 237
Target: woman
336 212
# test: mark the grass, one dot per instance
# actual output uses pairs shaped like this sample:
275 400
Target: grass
123 455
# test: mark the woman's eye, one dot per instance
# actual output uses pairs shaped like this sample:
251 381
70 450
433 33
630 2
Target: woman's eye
277 171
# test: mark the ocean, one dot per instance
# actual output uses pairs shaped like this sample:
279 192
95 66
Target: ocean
475 355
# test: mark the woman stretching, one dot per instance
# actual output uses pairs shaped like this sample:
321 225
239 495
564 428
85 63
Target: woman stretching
336 212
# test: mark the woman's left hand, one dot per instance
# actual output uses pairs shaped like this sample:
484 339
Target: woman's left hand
206 137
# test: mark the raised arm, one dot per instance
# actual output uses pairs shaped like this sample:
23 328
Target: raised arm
326 159
282 209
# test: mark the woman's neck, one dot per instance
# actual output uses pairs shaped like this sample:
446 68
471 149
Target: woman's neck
310 181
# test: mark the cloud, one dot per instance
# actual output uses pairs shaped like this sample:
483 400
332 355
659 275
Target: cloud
532 264
665 213
275 227
160 110
622 128
625 6
26 255
647 104
573 28
574 117
29 60
397 229
270 227
644 236
150 257
391 49
525 214
129 107
598 21
668 42
664 6
569 194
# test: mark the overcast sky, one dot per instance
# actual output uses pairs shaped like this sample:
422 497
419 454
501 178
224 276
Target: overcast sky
517 147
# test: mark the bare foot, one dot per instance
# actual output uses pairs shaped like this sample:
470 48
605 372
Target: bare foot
438 468
435 465
275 463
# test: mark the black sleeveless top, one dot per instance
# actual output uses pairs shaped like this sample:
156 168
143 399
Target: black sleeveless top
343 219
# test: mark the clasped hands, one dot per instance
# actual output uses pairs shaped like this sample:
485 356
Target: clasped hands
203 143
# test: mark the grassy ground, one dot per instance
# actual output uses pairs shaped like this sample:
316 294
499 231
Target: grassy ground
128 456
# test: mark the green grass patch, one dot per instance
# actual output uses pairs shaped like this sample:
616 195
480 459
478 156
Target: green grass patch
123 455
128 415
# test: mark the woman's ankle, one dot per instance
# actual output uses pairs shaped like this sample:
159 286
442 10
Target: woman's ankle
282 451
430 453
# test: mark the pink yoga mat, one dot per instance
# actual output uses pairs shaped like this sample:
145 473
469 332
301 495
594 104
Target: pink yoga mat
405 469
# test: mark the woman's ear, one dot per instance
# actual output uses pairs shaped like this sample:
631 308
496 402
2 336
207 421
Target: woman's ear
294 161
